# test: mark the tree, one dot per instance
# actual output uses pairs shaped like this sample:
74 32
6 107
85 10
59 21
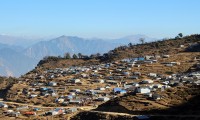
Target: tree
98 54
130 44
74 56
177 37
59 57
92 56
142 40
67 56
180 35
80 55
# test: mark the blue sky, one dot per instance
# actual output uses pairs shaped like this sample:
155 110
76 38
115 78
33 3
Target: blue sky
99 18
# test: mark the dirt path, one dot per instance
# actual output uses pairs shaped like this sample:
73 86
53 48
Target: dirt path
39 106
113 113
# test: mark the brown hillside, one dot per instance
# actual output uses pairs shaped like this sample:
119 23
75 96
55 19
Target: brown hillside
174 99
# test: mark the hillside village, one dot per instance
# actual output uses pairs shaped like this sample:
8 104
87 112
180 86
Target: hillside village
64 91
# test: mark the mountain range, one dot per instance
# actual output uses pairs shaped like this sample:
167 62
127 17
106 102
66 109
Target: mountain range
20 55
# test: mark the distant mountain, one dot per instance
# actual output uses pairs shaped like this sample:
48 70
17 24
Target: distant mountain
63 44
13 63
18 41
15 48
18 55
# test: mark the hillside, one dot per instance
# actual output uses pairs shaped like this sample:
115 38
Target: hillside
114 87
170 46
173 99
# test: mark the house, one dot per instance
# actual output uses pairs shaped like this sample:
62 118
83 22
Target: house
75 90
56 111
3 105
60 100
175 63
148 61
52 84
155 61
137 73
65 103
101 88
103 98
116 90
137 65
53 94
119 90
197 82
33 95
131 64
107 65
75 101
147 81
152 75
75 81
9 111
169 65
36 109
44 93
165 56
84 75
195 75
112 82
140 58
29 113
143 90
44 89
148 95
148 57
133 77
157 56
126 73
165 82
123 92
157 86
118 70
22 108
13 114
51 90
90 92
72 93
99 81
129 85
69 97
71 110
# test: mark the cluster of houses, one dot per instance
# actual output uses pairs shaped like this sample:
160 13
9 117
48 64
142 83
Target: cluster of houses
30 111
95 84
